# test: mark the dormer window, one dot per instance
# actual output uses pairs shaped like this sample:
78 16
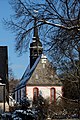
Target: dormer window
36 76
43 65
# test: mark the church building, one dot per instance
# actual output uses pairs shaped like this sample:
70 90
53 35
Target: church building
40 77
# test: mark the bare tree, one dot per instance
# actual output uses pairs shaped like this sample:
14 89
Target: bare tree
58 19
59 27
58 22
10 73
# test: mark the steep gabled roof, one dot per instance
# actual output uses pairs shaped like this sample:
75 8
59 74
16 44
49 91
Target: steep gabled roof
46 76
28 74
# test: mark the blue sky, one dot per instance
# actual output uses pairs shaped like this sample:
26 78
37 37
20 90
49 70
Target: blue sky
18 64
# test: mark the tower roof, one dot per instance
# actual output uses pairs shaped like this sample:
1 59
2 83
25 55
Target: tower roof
35 28
35 46
36 40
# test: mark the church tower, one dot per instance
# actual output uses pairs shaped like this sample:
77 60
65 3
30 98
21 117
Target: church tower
35 47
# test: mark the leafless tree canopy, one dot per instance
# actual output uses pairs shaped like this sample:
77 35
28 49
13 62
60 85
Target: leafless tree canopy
58 22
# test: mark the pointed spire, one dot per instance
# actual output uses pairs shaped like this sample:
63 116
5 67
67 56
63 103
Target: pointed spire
35 29
36 46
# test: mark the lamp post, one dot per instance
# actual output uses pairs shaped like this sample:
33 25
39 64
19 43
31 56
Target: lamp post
3 94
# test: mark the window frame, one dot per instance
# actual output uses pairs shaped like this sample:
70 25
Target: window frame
37 91
51 96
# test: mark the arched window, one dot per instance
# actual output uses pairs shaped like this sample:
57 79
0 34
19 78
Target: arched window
52 94
35 93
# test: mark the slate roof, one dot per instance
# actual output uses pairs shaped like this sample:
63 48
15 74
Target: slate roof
28 73
27 80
